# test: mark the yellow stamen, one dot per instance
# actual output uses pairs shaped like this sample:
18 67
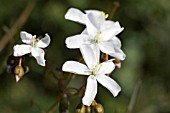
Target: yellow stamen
34 36
104 14
99 32
97 39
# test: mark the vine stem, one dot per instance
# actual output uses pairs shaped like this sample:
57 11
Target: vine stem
17 25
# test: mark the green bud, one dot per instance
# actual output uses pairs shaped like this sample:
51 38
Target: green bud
88 109
98 108
80 109
19 72
26 69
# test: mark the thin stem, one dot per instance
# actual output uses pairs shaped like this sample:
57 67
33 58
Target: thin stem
115 7
17 25
20 61
134 96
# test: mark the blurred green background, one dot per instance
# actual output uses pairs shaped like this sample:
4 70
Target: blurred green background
145 73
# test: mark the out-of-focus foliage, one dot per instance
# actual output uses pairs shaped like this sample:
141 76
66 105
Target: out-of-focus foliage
145 40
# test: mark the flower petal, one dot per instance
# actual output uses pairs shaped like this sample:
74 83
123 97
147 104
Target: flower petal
106 67
44 42
22 49
107 47
26 37
99 18
75 15
91 91
75 67
96 51
116 42
84 31
110 29
109 83
75 41
88 55
92 25
119 54
39 54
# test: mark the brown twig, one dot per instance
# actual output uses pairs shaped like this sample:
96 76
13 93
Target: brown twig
116 5
17 25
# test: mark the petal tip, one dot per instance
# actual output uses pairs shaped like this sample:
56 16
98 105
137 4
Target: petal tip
17 78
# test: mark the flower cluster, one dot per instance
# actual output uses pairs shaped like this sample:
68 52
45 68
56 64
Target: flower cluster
98 36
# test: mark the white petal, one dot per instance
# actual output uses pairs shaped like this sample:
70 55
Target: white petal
17 78
39 54
75 15
99 18
26 37
92 25
107 47
110 29
75 67
75 41
118 28
88 55
84 31
119 54
93 11
44 42
109 83
22 49
91 91
96 51
116 42
106 67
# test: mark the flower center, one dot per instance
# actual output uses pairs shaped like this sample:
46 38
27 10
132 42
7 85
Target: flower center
96 69
97 37
35 40
104 14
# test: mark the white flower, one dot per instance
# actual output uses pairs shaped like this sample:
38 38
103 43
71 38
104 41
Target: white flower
32 45
100 34
97 72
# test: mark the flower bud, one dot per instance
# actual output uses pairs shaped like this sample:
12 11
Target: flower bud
98 108
19 72
88 109
80 109
11 60
26 69
117 63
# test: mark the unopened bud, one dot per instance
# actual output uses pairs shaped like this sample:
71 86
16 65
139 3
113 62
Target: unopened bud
19 72
88 109
98 108
26 69
117 63
80 109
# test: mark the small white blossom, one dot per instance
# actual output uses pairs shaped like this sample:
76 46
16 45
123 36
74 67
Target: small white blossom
32 45
99 33
97 72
